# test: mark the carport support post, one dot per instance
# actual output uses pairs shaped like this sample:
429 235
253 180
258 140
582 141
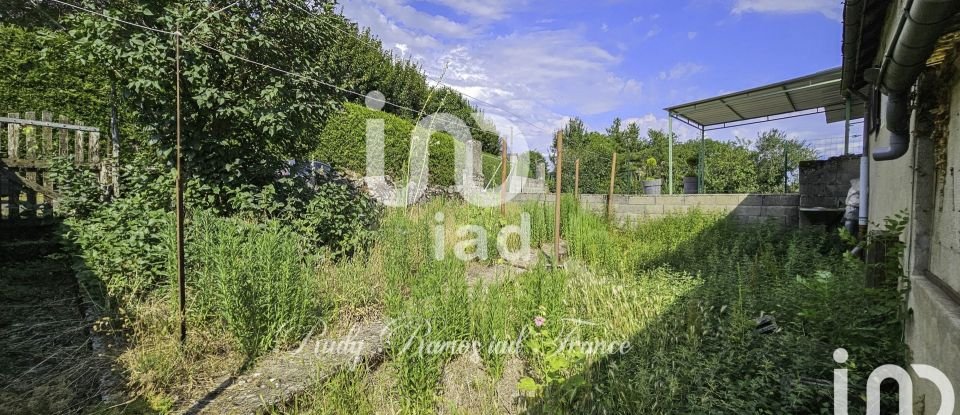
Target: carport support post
846 124
670 151
702 163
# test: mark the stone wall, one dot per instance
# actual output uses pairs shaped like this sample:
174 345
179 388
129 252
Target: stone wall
824 183
746 208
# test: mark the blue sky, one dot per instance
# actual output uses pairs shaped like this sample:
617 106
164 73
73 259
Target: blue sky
536 63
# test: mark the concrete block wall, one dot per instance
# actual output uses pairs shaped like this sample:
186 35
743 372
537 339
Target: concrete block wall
824 183
747 208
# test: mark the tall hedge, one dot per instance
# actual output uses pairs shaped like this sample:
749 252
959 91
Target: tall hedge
37 74
342 143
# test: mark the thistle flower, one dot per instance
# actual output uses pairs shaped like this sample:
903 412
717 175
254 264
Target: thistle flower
539 321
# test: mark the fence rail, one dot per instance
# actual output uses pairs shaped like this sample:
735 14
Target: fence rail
26 155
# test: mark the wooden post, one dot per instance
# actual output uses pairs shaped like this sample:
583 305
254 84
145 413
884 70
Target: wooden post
31 172
78 147
30 136
576 180
64 137
47 133
503 177
13 138
556 206
613 178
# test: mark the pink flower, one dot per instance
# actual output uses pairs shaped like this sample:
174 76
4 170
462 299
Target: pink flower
539 321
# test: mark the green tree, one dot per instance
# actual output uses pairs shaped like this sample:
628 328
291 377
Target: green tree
239 120
777 156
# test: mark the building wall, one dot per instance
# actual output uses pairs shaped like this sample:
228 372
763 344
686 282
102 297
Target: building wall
747 208
932 255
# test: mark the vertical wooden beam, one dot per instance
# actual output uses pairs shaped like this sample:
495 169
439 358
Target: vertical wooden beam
613 178
47 134
64 138
576 179
13 137
30 136
93 148
503 176
78 147
556 206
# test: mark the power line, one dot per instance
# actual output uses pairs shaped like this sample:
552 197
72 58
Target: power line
166 32
253 62
377 49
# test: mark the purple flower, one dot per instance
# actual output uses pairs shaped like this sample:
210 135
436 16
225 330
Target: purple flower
539 321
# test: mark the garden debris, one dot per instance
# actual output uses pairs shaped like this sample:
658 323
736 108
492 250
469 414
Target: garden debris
467 388
282 375
766 324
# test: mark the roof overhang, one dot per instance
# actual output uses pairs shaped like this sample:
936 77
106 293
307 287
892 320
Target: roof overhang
818 93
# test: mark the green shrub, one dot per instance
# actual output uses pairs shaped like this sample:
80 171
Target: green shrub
338 218
254 278
343 144
78 188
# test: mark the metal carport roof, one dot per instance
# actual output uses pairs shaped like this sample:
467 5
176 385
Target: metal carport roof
811 94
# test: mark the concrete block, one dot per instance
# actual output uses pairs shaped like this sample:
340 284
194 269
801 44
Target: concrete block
752 200
675 209
621 199
780 211
642 200
593 198
732 199
653 209
747 211
670 200
791 199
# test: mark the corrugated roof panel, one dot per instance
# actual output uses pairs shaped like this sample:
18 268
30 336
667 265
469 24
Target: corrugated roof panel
819 90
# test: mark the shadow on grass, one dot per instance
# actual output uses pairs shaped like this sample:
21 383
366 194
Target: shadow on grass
707 353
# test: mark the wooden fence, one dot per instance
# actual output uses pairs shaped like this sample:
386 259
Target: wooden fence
27 191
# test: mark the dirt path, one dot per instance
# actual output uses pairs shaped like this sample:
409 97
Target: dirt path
46 362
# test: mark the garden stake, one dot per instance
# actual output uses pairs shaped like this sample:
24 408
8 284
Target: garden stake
556 207
576 180
613 177
503 177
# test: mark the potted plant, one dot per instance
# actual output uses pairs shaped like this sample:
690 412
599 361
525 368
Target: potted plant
653 180
690 180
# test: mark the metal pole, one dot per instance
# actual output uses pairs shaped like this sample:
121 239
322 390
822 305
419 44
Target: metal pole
786 167
503 177
670 151
846 126
181 271
701 162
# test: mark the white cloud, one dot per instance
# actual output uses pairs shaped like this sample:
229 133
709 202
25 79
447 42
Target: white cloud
680 71
832 9
604 28
654 31
535 76
482 9
691 35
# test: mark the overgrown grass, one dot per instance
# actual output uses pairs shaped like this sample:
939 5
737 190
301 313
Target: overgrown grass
684 291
